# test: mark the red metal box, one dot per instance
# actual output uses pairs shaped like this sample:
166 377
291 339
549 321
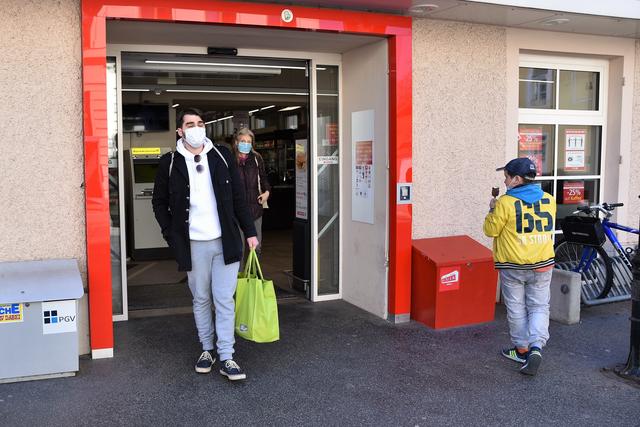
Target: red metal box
453 282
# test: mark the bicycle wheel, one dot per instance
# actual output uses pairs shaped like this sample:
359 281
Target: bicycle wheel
597 275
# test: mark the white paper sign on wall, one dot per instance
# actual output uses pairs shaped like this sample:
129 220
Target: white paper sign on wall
302 193
362 169
59 317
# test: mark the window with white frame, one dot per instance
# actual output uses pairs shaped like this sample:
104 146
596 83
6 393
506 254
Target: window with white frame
561 126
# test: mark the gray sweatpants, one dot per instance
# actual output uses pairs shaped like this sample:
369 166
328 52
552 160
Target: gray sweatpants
210 276
526 294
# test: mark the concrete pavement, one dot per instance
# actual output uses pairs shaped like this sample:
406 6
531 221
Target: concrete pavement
338 365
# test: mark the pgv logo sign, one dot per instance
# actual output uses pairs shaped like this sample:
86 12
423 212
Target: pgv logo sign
59 317
51 317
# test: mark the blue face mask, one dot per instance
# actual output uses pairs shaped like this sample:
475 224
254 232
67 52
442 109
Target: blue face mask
244 147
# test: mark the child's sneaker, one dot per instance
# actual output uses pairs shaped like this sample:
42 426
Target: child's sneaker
231 370
514 354
204 363
534 358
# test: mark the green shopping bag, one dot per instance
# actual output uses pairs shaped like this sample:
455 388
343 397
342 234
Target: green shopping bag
256 306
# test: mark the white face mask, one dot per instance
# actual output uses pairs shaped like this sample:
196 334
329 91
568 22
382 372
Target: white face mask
511 184
195 136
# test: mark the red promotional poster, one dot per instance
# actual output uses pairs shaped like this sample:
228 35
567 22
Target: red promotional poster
530 145
364 153
332 134
449 278
530 139
572 192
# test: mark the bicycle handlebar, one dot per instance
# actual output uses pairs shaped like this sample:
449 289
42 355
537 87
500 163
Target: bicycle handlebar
605 208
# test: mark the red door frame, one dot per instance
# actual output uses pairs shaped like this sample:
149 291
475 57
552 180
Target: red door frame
94 15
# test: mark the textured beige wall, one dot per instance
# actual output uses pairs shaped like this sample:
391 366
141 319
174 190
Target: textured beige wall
42 207
634 186
459 125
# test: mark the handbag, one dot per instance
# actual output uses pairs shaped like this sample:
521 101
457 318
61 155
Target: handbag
264 204
256 305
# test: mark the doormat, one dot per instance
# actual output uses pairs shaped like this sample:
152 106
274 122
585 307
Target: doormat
155 296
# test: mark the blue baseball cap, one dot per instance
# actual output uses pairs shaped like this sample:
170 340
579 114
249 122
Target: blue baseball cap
521 166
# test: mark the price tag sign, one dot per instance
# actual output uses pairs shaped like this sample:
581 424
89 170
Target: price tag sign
145 151
573 192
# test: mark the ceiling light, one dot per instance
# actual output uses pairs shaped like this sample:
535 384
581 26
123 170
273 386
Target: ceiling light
222 64
136 90
218 120
555 21
175 105
172 66
261 109
295 107
423 8
233 91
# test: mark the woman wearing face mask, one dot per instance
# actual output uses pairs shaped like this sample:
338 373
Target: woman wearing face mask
253 178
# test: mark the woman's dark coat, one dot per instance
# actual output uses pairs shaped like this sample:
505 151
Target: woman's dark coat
249 172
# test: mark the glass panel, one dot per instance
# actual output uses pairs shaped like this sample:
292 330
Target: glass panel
114 190
537 142
537 88
579 150
547 186
328 180
579 90
572 193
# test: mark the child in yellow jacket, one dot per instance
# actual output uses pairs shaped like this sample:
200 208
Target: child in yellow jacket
522 224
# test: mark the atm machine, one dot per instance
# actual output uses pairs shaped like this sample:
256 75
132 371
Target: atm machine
144 238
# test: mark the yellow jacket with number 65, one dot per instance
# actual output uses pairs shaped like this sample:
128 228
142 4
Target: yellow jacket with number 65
522 226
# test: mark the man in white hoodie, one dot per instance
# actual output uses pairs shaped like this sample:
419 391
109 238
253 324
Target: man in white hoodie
198 201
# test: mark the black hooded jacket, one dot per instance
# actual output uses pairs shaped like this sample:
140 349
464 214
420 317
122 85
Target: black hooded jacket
171 205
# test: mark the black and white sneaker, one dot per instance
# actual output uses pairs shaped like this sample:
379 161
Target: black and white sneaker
534 359
231 370
204 363
513 354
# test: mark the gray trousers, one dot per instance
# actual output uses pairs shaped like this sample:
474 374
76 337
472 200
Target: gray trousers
526 294
209 276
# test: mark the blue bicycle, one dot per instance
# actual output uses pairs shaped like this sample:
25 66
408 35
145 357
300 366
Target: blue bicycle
605 277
